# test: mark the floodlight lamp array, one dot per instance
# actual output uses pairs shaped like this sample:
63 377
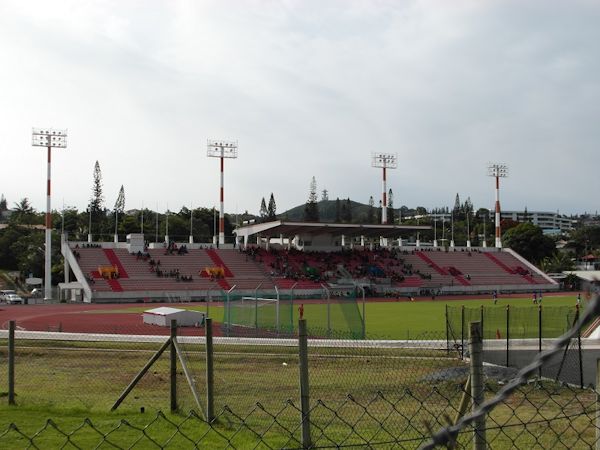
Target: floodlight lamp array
47 137
385 160
222 149
498 170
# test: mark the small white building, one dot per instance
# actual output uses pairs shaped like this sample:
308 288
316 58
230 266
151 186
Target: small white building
162 317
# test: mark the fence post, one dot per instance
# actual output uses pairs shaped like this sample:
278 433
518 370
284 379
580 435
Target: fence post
462 332
507 333
447 332
597 404
173 366
11 362
227 314
364 317
477 385
540 336
580 356
210 399
481 320
304 386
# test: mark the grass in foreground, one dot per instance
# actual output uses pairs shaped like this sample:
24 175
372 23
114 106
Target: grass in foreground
537 416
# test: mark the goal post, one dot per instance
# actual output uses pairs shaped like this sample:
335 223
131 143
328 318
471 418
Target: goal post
253 312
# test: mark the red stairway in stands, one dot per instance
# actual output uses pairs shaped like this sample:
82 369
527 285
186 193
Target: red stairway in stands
115 261
525 276
500 263
432 264
115 285
216 259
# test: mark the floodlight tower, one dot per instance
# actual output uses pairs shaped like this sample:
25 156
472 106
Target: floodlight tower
222 149
384 161
49 138
498 171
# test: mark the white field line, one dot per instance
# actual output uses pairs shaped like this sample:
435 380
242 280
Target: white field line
489 344
243 354
133 338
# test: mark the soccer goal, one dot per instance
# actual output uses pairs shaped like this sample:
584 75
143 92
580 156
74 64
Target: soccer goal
253 312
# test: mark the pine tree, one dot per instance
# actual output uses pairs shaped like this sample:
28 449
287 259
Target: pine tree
120 203
391 217
456 203
311 208
347 211
119 208
371 210
97 200
338 210
263 209
3 204
272 209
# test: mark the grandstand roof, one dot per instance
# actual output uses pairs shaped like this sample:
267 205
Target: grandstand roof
587 275
280 227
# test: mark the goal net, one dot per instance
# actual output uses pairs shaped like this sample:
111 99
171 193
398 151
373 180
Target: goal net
260 313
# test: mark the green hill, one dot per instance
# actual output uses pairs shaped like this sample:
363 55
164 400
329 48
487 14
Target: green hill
327 214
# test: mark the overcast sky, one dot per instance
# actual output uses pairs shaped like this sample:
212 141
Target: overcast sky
307 88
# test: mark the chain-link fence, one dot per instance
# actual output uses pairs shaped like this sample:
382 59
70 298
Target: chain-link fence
514 335
288 393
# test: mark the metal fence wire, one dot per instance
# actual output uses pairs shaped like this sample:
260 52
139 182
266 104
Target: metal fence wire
356 393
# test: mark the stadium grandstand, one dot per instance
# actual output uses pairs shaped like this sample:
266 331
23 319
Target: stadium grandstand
291 257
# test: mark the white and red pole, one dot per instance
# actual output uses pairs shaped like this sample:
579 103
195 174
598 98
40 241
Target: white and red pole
384 204
47 137
47 264
222 205
222 149
498 231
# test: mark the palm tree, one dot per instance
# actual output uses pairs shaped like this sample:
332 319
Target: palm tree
23 212
557 263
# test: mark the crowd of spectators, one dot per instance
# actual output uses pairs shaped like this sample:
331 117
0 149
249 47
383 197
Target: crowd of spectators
173 248
376 264
88 245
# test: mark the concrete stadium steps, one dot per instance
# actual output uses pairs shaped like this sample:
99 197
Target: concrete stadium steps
190 263
218 262
418 264
240 265
411 281
116 262
89 260
288 283
141 277
247 273
505 259
481 269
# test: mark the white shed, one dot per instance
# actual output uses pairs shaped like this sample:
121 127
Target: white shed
162 317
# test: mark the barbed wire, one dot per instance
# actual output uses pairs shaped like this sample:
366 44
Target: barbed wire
450 433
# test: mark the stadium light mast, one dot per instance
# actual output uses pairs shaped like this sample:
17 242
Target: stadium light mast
498 171
191 224
384 161
222 150
49 138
